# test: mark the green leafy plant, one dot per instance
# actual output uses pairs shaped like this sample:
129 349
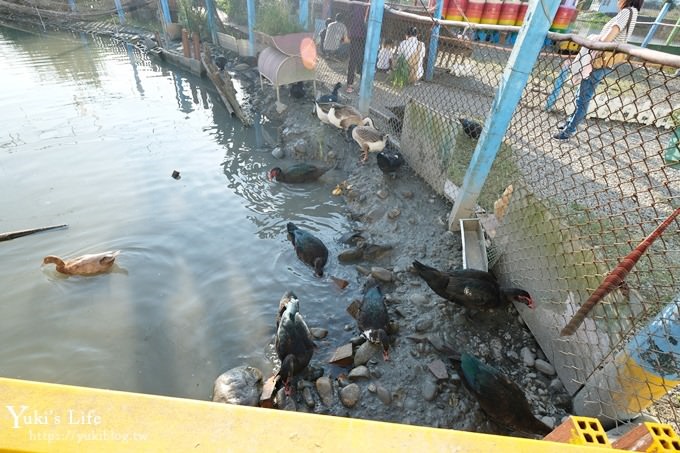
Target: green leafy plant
273 18
675 117
400 73
192 17
236 10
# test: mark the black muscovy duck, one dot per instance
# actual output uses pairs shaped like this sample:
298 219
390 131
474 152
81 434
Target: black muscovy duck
499 397
221 62
471 128
372 318
293 345
328 98
297 90
308 248
298 173
389 161
471 288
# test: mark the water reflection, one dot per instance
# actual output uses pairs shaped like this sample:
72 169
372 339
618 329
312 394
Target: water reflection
206 257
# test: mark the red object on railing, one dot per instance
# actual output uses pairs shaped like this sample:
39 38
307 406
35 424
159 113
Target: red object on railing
491 12
474 10
523 7
455 9
509 12
563 18
616 276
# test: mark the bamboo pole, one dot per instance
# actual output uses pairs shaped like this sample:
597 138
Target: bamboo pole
17 234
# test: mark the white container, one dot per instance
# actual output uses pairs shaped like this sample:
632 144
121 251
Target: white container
474 245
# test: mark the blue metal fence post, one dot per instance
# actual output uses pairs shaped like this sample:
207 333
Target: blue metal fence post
522 59
434 41
657 21
210 8
251 27
375 17
165 8
304 13
121 13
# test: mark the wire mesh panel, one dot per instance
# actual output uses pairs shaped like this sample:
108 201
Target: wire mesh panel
583 196
565 201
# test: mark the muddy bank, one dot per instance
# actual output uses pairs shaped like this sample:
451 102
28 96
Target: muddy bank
418 385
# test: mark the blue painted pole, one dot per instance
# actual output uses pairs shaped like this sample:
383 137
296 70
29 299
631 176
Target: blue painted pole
210 9
371 48
251 27
657 21
434 41
522 59
165 8
121 13
304 13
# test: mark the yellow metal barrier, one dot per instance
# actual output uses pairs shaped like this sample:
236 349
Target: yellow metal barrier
58 418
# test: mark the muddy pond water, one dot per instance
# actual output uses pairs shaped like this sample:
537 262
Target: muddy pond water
91 133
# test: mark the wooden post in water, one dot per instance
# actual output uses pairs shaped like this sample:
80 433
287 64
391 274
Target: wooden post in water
197 45
185 44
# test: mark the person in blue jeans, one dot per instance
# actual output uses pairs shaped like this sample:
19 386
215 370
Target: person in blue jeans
618 30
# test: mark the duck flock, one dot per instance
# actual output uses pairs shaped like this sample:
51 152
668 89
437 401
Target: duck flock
477 291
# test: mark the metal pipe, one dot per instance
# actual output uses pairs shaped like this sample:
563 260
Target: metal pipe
520 64
659 18
673 32
455 23
375 17
251 27
303 13
434 41
649 55
210 9
165 8
121 13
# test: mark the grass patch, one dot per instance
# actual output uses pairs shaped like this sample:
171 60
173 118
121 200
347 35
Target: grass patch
503 171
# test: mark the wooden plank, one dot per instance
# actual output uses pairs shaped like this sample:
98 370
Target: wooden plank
224 87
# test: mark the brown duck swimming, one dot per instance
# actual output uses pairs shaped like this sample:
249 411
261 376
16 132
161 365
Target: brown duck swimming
298 173
471 288
499 397
84 265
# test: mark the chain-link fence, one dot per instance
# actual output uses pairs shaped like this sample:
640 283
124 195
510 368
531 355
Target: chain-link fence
565 200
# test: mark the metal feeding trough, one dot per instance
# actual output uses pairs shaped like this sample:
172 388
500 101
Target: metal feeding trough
474 245
281 62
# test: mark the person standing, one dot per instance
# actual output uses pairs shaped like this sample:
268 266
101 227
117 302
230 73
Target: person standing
618 30
358 13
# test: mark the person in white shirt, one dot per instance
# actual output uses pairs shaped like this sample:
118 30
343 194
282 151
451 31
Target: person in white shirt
385 56
336 41
618 30
414 53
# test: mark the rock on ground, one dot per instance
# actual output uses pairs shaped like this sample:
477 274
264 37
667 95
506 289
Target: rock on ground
241 385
